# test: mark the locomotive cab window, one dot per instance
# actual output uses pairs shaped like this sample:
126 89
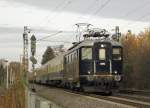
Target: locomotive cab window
102 54
116 53
86 53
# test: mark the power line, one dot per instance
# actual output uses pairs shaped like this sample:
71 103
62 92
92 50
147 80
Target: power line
49 36
56 41
136 9
42 39
99 9
139 19
88 8
102 7
55 9
58 7
47 17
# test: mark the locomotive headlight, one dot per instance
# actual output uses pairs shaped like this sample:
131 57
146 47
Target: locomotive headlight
89 72
117 77
115 72
102 45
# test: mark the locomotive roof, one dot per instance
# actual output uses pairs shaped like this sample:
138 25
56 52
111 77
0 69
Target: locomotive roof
91 43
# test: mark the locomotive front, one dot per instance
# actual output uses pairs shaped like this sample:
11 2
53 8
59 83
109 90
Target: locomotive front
101 66
108 60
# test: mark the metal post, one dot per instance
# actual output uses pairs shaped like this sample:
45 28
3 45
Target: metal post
34 88
110 66
7 76
94 67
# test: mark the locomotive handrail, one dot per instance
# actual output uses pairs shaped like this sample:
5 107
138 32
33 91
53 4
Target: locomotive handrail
94 66
110 66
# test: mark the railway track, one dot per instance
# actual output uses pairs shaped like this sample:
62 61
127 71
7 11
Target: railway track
134 91
133 100
138 101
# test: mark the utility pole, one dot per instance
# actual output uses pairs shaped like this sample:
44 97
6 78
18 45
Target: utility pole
25 62
25 52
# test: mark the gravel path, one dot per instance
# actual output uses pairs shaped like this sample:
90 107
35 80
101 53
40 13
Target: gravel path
71 100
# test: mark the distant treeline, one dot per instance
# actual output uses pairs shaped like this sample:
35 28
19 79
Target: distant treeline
136 60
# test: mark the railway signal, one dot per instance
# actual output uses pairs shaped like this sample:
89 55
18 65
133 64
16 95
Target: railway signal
33 45
118 34
32 58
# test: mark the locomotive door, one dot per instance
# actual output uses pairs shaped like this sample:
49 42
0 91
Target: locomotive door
102 62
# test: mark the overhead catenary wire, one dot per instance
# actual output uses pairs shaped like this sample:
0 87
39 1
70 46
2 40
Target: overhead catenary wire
139 19
49 36
55 9
56 41
88 8
135 10
99 9
103 5
58 7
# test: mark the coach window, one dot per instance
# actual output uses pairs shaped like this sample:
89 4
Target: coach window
75 55
102 54
69 58
65 60
86 53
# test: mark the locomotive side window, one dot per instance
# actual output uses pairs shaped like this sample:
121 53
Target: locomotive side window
116 53
102 54
86 53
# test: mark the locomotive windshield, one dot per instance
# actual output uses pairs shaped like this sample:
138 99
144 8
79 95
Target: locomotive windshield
102 54
86 53
116 53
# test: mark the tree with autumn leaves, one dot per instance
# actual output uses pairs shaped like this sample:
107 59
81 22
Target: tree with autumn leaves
136 60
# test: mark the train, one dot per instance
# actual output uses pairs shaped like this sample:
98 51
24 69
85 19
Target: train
91 65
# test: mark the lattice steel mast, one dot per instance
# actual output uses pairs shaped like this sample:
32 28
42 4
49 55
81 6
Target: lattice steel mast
25 62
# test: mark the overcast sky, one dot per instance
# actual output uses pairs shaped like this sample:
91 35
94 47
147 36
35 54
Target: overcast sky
46 17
